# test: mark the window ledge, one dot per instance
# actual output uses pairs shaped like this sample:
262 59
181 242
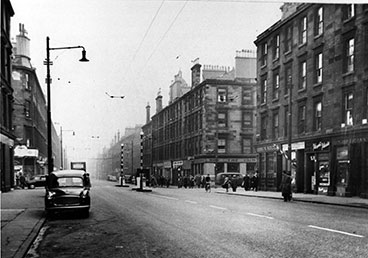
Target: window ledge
317 84
348 74
302 90
318 36
287 53
302 45
263 66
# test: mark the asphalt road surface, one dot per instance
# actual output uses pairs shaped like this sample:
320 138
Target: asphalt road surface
172 222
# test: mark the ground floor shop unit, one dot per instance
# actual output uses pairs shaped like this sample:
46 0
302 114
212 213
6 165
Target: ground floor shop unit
204 165
331 165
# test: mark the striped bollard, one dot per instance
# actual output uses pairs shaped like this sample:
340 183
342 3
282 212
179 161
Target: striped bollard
122 179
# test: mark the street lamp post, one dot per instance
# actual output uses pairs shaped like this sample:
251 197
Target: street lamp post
50 163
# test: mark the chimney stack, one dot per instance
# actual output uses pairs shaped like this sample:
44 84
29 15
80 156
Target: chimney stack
148 113
196 73
159 102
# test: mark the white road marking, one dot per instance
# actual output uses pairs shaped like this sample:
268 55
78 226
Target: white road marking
217 207
165 197
336 231
193 202
259 215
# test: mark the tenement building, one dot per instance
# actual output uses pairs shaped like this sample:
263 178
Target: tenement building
312 70
29 116
6 101
207 128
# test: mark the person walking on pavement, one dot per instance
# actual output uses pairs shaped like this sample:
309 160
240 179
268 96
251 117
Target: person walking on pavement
246 181
227 183
286 186
234 183
22 180
208 183
254 182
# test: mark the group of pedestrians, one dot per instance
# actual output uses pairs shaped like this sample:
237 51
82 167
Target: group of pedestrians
160 181
186 182
21 180
248 183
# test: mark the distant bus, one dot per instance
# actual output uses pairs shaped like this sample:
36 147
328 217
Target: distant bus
78 165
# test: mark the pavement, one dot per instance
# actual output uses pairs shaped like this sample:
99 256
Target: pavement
22 213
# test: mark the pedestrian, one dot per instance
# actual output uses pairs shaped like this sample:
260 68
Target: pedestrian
185 182
227 183
234 183
286 186
17 179
246 182
22 180
254 182
192 182
167 182
198 181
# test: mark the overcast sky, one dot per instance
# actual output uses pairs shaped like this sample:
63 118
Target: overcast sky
134 47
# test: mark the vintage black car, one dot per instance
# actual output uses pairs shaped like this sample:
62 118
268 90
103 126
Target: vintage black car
37 181
68 190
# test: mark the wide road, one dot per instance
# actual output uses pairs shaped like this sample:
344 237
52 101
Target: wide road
172 222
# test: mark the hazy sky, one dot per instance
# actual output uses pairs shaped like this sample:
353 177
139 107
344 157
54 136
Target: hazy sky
133 48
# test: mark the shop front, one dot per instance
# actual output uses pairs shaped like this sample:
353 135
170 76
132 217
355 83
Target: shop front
351 160
317 174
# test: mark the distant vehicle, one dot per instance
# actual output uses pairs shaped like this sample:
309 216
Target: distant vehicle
68 190
234 176
78 165
36 181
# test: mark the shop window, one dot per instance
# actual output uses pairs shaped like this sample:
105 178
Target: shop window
233 167
220 167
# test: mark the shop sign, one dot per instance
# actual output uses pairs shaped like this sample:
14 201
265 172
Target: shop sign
321 146
6 140
22 151
294 146
177 163
268 148
342 153
167 164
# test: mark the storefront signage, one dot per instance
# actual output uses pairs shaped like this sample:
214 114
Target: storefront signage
268 148
342 153
167 164
177 163
6 140
321 146
23 151
351 140
227 160
294 146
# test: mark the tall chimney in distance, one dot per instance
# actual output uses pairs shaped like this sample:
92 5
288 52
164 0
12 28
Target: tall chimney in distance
148 113
196 73
158 101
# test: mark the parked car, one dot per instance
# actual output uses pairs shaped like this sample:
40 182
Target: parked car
220 177
68 190
36 181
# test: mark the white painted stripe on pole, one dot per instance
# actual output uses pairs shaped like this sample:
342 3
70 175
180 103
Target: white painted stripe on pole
259 215
217 207
193 202
335 231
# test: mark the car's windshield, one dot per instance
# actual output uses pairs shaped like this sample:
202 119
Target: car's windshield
70 181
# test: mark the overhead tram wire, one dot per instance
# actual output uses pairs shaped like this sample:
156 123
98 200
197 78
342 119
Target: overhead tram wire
148 29
167 31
